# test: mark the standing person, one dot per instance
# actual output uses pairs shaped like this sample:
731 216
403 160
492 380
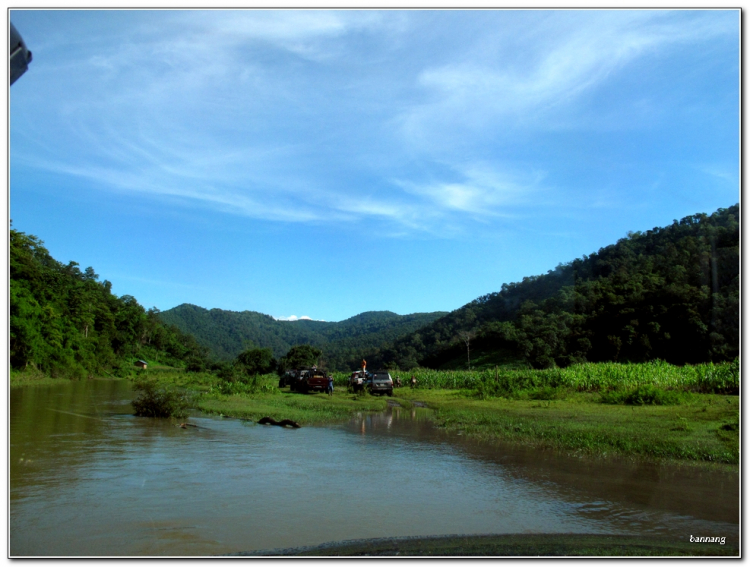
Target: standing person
330 384
413 381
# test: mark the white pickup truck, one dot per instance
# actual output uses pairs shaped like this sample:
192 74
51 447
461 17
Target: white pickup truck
357 380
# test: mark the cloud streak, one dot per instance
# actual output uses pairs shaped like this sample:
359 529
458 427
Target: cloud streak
295 318
570 54
482 190
268 114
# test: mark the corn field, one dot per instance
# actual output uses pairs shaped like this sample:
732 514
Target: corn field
590 377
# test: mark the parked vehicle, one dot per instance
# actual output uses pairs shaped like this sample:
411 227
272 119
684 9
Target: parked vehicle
296 384
381 383
316 381
287 378
308 379
357 380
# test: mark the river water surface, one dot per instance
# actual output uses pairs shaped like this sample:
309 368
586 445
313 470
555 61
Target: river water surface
89 478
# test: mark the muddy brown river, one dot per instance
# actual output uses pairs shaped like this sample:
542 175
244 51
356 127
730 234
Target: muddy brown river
87 478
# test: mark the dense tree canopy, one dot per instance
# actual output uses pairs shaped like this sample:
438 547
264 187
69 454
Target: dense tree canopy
342 343
64 321
300 356
257 360
669 293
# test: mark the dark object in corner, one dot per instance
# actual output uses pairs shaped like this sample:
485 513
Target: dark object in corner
20 56
282 423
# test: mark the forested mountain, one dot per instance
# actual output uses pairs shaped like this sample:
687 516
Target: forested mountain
227 333
67 323
670 293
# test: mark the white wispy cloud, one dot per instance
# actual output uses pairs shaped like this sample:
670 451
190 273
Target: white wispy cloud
298 31
295 318
175 186
565 56
723 172
481 189
257 113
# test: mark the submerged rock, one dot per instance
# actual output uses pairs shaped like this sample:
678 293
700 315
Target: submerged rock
282 423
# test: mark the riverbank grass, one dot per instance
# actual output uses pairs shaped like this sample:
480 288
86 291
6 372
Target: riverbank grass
703 427
34 377
260 396
652 410
306 409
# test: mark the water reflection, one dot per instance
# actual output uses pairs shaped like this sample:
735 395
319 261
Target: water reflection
88 478
633 496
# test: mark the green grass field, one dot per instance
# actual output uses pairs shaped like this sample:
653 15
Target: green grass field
589 377
305 409
704 427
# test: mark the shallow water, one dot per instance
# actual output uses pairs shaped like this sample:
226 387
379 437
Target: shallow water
88 478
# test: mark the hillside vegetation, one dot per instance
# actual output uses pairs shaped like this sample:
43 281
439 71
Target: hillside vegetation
227 333
64 322
669 293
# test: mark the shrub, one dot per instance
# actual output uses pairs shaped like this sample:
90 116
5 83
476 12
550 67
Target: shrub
544 393
256 361
156 400
228 372
649 395
243 384
71 372
643 395
195 364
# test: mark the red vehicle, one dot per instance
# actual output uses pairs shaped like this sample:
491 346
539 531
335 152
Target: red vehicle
309 379
317 380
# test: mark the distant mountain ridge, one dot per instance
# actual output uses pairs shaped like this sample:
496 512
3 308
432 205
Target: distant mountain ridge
669 293
344 343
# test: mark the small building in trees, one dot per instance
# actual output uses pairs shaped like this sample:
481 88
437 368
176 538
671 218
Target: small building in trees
141 364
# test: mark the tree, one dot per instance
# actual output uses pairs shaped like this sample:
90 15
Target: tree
668 293
66 323
300 356
467 337
256 360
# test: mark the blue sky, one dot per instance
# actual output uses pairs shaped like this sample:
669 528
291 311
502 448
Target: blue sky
326 163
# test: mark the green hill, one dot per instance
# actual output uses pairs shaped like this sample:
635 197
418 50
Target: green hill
227 333
669 293
65 322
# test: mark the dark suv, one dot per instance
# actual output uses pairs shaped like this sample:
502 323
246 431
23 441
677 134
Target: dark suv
381 383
